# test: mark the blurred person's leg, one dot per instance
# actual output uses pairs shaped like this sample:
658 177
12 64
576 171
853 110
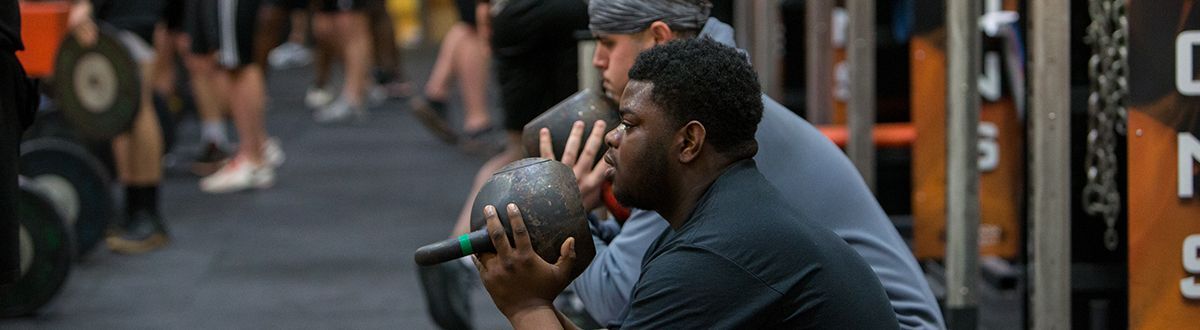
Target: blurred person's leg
472 60
438 86
320 94
137 156
164 62
350 24
269 31
299 18
256 156
249 88
389 73
272 18
463 53
171 27
430 108
209 89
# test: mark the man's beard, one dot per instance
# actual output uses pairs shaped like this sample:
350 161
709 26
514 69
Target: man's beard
647 190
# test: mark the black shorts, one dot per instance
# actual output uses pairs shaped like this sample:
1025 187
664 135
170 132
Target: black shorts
344 5
466 11
287 4
223 26
534 47
530 85
173 15
136 16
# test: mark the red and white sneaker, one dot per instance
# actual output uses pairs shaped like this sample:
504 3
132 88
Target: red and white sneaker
237 175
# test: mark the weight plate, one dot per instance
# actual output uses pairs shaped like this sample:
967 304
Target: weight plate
45 256
75 182
98 87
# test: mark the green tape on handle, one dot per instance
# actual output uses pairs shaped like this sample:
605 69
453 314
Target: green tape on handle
464 242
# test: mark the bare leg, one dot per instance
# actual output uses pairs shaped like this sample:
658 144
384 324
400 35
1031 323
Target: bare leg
299 27
323 29
270 21
207 86
387 56
138 153
138 158
513 153
249 88
471 60
164 62
357 50
438 84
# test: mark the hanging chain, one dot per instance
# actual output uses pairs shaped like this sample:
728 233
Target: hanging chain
1108 69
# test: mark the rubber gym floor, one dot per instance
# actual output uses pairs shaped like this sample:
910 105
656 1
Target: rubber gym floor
329 246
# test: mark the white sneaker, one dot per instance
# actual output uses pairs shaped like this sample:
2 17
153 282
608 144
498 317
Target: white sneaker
289 55
339 111
317 97
272 153
237 175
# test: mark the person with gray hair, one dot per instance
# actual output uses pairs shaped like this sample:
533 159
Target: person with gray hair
816 178
628 17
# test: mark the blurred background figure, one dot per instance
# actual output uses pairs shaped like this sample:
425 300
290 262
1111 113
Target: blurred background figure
464 53
343 27
389 79
226 29
137 154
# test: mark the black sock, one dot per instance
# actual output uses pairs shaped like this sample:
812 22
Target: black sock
141 198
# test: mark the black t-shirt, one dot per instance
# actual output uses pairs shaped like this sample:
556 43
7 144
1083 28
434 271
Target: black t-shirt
10 26
745 259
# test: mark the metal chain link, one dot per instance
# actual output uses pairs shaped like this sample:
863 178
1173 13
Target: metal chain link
1108 69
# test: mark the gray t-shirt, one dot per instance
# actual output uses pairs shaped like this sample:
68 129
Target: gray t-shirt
816 179
744 259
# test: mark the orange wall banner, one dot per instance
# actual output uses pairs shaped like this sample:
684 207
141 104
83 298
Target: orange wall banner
1001 147
1164 162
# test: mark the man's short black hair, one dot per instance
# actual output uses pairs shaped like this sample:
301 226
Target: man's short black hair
703 80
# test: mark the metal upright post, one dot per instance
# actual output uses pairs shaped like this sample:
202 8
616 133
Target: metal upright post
962 162
743 23
861 107
589 76
757 29
1049 156
819 61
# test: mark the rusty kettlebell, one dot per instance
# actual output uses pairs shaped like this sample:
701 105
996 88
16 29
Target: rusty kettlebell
548 197
587 105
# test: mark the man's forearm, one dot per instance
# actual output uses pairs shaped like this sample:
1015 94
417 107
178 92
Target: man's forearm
541 318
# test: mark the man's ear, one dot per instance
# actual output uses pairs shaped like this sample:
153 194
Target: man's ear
691 137
661 32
